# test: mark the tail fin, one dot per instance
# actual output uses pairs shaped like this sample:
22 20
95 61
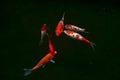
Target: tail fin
63 16
46 34
40 42
27 72
83 30
86 32
92 45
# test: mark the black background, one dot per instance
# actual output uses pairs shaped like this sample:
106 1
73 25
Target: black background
21 22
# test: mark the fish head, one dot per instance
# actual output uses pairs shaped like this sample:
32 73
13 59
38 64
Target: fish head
44 27
68 26
55 52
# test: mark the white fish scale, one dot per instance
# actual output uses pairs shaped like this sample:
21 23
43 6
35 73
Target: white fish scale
80 37
65 32
73 26
78 28
71 35
42 32
62 22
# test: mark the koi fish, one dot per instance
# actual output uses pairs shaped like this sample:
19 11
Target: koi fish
60 26
75 28
43 33
77 36
51 48
48 57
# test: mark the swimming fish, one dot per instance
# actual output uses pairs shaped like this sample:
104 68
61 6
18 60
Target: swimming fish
47 58
75 28
43 33
77 36
60 26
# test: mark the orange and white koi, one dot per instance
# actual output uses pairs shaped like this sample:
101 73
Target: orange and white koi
75 28
60 26
77 36
43 33
48 57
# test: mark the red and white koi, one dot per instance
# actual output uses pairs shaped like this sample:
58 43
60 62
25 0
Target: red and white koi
60 26
43 33
77 36
75 28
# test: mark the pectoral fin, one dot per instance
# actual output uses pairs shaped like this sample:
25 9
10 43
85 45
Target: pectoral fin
52 61
46 33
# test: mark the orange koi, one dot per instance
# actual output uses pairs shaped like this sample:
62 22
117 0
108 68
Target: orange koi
51 48
60 26
48 57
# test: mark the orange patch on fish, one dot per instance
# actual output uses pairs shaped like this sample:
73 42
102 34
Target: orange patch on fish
69 26
77 36
59 28
75 28
85 40
46 58
69 32
43 27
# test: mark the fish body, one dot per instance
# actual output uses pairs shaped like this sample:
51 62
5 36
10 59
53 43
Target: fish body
77 36
75 28
60 26
48 57
44 60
